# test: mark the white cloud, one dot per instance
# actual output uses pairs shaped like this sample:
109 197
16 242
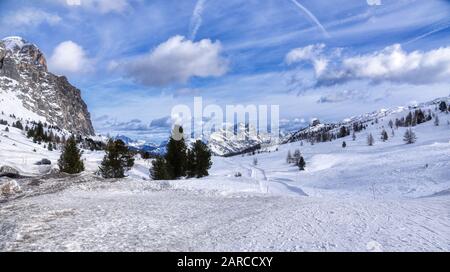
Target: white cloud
69 57
102 6
312 53
31 17
176 61
392 64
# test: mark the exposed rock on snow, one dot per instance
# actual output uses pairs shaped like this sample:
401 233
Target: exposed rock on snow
7 171
237 139
9 188
23 74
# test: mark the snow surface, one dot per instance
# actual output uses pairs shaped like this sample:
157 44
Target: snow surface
387 197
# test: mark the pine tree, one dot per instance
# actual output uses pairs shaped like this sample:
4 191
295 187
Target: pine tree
384 136
391 124
409 137
38 135
199 160
117 161
297 155
370 140
301 163
159 170
176 156
191 164
255 161
18 125
70 160
436 121
443 106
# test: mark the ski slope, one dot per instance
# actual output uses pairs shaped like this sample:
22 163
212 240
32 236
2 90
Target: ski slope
386 197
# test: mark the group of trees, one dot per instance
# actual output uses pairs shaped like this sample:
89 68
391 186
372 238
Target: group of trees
413 119
181 161
117 160
296 159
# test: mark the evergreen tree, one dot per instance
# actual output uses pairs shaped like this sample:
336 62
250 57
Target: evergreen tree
199 160
191 164
384 136
370 140
70 161
301 163
297 155
443 106
176 155
159 169
18 125
409 137
38 133
391 124
436 121
117 161
255 161
408 120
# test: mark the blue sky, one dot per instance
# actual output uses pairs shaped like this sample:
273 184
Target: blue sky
135 59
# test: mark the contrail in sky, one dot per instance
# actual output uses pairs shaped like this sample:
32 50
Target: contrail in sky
196 19
428 34
311 17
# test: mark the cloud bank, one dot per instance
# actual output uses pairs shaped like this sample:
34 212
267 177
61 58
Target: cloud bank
176 61
31 17
391 64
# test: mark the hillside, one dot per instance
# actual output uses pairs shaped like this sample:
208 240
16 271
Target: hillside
391 196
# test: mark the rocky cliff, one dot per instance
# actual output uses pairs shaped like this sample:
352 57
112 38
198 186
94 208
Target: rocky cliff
23 73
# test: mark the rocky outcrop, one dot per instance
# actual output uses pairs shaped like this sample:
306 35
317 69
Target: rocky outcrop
23 71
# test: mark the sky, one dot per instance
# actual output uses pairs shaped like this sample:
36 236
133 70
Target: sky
133 60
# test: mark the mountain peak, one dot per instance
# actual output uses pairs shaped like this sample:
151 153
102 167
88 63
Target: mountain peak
24 75
14 43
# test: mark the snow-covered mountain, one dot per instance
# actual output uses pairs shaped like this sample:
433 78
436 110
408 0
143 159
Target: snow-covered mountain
237 139
316 131
30 92
142 145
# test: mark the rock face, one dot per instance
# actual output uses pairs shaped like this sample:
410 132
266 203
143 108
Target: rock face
23 71
228 142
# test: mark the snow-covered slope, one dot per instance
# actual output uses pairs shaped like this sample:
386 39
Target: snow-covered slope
390 196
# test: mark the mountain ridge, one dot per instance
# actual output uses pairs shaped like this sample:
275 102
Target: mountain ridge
24 75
